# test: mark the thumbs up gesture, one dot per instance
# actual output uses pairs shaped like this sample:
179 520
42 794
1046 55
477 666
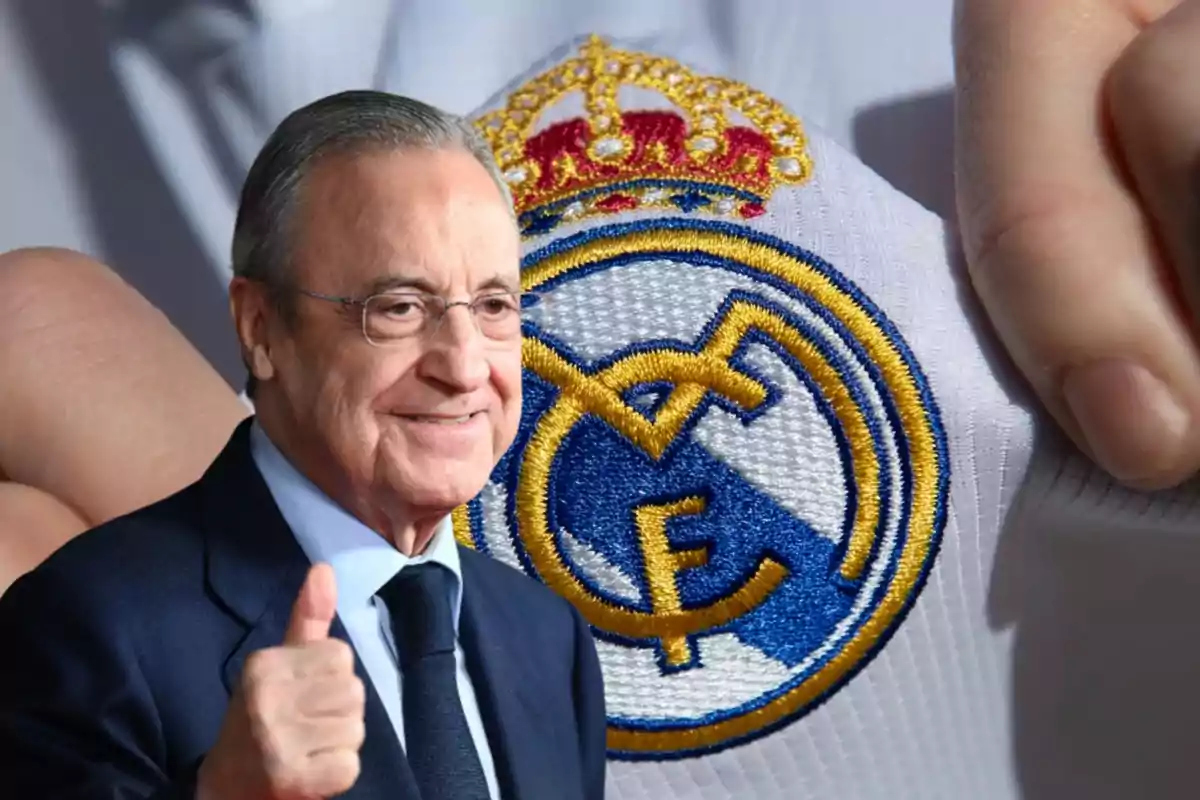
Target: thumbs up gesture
295 723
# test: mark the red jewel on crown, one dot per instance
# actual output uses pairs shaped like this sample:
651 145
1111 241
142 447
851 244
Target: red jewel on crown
720 147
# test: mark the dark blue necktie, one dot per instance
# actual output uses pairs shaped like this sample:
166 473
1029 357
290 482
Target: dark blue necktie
438 742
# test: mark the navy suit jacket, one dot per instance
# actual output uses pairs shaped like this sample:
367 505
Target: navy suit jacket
120 652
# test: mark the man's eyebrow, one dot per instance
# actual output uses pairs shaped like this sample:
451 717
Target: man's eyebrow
500 283
391 283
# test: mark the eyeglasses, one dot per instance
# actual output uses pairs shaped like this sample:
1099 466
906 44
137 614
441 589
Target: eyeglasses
389 317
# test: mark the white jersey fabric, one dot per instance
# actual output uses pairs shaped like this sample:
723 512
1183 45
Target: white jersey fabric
940 601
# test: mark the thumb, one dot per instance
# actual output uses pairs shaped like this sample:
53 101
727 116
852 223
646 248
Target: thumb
315 607
1059 248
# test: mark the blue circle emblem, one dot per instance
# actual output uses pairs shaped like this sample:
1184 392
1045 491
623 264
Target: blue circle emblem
729 461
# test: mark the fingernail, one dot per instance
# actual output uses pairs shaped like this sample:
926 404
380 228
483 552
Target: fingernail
1129 418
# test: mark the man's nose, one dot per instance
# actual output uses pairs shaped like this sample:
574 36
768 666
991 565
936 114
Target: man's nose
454 350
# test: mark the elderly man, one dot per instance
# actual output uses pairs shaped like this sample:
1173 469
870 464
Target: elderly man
300 622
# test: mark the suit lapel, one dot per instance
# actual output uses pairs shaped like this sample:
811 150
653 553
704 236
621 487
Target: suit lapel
496 663
255 568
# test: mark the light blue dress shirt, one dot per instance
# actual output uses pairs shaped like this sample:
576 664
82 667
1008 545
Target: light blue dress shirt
363 562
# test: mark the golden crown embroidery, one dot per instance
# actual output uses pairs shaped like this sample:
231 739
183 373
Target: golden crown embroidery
719 147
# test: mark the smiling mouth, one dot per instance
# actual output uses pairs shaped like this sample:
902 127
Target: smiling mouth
439 419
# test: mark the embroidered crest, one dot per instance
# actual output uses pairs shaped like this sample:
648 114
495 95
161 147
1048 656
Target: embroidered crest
729 460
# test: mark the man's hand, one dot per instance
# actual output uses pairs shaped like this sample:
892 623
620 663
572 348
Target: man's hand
295 725
1078 142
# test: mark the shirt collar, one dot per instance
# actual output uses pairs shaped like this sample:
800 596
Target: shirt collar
362 560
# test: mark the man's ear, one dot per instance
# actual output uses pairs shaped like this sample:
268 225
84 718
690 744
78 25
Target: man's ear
250 307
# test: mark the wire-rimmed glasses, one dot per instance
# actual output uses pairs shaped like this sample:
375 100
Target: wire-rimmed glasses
393 316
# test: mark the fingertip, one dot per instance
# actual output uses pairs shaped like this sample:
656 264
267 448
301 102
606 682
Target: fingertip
1167 473
321 584
1131 423
315 607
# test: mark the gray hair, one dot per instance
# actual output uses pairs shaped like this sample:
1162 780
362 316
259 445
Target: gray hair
349 122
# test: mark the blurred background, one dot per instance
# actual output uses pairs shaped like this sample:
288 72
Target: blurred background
127 125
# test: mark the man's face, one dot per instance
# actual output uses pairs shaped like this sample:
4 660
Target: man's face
419 421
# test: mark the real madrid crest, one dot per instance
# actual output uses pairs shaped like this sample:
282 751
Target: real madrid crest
729 460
